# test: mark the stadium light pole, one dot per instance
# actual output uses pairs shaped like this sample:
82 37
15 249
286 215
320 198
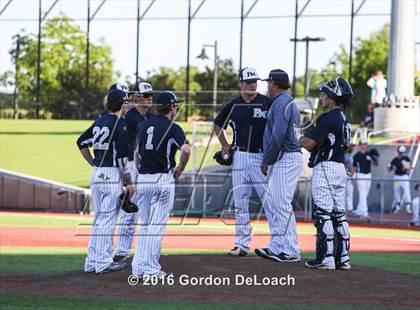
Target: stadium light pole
307 39
203 56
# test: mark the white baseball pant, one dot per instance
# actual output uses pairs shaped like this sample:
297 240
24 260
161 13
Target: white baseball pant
282 181
246 173
127 222
106 187
402 189
349 194
328 191
156 195
363 181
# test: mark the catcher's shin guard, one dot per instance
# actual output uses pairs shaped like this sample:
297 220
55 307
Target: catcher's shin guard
341 229
324 236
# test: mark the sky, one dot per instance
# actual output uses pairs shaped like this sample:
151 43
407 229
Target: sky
163 31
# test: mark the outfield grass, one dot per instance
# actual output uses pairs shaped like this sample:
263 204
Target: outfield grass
47 149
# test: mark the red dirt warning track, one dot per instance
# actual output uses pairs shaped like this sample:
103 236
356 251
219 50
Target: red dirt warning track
203 240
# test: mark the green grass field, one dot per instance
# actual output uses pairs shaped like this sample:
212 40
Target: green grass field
15 260
47 149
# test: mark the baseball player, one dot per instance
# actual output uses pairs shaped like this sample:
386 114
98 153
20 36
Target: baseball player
348 164
108 138
127 222
283 162
416 205
159 140
401 166
246 115
327 143
362 162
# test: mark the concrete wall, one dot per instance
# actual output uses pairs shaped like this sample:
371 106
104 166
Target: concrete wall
397 119
23 192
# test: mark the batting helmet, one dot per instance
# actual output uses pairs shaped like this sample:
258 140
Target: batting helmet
338 88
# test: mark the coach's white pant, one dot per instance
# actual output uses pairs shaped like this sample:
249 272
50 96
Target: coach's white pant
349 194
363 181
328 191
156 194
127 222
106 187
402 189
246 173
282 181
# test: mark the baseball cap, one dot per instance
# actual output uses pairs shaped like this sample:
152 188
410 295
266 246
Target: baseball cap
117 96
280 76
402 149
167 97
144 88
120 86
248 74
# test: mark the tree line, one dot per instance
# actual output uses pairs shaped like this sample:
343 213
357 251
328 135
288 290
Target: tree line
62 91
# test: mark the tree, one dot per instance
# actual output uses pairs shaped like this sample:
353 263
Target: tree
227 86
63 64
370 55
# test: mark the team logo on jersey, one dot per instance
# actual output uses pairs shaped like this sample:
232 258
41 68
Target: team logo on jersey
258 113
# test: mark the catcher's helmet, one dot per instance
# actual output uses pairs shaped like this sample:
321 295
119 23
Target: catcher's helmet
337 88
120 86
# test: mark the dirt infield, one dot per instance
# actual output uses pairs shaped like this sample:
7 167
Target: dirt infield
177 239
361 286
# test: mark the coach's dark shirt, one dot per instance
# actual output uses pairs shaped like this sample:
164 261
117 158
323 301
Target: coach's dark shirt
332 134
362 162
247 121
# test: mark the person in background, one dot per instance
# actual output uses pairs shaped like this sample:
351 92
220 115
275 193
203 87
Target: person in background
401 166
362 163
378 86
348 163
415 206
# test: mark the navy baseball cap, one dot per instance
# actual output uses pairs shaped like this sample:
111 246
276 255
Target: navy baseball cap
117 96
280 76
248 75
167 97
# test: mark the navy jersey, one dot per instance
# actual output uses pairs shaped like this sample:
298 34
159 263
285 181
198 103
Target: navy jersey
362 162
247 121
333 136
158 141
132 119
397 166
108 138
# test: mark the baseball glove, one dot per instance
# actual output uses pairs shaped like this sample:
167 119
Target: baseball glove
219 158
374 153
127 205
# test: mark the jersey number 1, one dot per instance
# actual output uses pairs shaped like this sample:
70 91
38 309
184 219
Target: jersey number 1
149 145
